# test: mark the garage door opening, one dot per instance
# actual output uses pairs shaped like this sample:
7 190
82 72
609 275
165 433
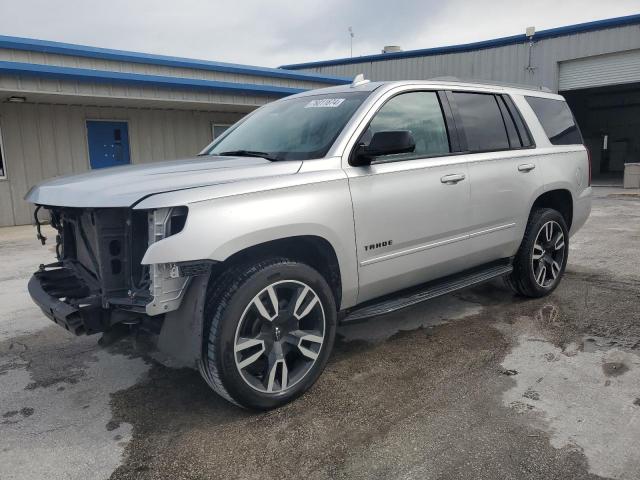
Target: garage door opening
609 118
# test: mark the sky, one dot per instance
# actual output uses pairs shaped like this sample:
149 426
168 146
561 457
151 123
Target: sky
275 32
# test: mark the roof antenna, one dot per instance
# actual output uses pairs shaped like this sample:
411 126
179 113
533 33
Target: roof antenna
351 35
531 31
359 80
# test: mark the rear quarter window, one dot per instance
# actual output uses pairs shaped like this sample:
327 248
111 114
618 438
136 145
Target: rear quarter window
556 120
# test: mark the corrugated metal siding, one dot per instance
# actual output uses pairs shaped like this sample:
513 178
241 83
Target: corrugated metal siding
147 69
599 71
504 64
43 141
26 85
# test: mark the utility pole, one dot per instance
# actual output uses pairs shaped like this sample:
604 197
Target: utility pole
351 40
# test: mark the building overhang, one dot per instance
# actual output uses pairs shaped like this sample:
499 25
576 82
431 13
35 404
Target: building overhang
102 76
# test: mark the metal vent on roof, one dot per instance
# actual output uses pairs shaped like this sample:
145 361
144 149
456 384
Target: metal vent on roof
391 49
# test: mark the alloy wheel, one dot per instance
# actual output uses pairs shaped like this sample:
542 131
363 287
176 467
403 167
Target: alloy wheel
279 336
548 254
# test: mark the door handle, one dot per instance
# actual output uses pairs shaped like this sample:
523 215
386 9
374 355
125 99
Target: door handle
452 178
526 167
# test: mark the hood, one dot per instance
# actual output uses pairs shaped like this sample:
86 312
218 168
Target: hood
124 186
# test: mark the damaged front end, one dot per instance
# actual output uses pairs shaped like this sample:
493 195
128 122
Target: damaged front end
99 281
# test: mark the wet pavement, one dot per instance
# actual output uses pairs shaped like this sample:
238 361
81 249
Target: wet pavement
479 384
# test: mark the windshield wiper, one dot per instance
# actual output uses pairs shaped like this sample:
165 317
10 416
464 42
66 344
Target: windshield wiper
248 153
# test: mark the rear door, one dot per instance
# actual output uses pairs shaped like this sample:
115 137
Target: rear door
410 220
503 170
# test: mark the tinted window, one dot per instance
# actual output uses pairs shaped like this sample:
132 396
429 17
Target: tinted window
523 132
512 132
218 130
421 114
482 122
557 120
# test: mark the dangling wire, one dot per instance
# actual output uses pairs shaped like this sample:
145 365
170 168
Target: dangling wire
40 236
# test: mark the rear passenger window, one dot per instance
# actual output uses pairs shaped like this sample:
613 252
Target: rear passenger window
557 120
482 121
421 114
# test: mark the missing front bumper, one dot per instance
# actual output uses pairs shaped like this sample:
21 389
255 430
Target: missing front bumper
48 287
68 301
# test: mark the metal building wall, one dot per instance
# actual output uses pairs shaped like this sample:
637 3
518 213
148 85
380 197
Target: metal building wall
42 141
14 55
53 86
504 64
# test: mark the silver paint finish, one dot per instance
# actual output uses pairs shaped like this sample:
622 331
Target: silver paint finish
219 226
124 186
427 221
437 227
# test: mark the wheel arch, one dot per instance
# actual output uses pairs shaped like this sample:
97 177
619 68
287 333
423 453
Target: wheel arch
181 335
560 200
312 250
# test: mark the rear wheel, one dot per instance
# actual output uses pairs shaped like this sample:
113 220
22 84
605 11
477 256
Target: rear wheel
269 330
542 257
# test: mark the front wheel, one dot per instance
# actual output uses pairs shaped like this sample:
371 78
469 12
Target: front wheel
542 257
269 331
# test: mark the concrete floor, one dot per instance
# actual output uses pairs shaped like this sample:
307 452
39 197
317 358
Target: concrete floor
478 384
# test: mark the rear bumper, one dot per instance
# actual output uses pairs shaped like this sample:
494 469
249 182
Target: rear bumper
80 319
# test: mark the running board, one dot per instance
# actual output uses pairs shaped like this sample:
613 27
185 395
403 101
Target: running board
407 298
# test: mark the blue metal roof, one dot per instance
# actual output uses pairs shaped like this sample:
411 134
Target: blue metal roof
45 46
85 74
497 42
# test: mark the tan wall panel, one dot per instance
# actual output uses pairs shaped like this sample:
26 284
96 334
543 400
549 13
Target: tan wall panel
151 69
42 141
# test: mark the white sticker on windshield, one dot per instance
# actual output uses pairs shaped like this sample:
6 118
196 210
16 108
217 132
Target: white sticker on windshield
325 103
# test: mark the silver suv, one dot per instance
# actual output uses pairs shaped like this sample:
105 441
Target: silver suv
326 207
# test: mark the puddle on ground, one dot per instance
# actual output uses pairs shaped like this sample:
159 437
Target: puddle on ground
583 392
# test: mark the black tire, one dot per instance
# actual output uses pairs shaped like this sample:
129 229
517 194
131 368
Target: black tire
525 278
231 300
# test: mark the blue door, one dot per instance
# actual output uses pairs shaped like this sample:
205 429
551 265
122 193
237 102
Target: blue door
108 143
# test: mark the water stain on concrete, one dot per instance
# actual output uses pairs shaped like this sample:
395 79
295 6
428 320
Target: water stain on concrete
55 396
584 398
614 369
410 406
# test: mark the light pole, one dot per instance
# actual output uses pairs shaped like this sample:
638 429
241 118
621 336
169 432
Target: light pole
351 40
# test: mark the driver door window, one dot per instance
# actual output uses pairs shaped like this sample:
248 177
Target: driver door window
421 114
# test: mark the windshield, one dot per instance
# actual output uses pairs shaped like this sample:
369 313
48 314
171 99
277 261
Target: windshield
295 129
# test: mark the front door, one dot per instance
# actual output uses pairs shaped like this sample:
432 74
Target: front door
108 143
411 211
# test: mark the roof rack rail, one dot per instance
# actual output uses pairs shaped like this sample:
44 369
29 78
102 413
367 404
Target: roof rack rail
539 88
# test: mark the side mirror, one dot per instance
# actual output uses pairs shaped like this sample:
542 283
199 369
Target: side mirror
384 143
